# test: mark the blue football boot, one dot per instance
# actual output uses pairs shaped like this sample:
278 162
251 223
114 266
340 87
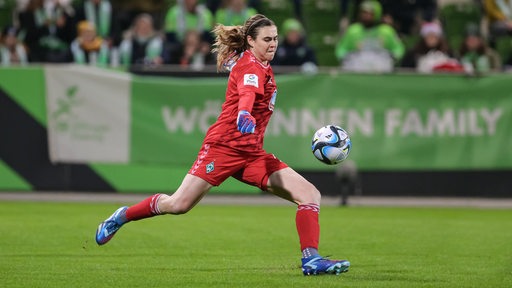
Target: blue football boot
109 227
317 264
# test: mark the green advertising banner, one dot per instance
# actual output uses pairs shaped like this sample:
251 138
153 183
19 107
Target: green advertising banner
396 122
419 122
170 117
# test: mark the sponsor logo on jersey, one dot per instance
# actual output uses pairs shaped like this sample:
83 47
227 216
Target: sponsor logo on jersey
251 80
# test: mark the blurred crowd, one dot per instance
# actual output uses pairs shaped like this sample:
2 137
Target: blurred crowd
372 38
371 35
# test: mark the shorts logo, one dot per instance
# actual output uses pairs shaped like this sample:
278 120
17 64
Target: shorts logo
251 80
209 167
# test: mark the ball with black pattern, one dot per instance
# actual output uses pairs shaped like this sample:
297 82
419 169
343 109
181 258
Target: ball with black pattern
331 144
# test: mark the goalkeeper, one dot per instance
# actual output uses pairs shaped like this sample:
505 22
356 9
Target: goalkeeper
233 146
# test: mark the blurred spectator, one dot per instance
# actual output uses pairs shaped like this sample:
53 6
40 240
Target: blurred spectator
294 51
235 13
1 39
345 18
297 10
143 45
88 47
403 14
103 17
47 30
11 50
192 53
369 45
432 52
213 5
256 4
499 14
7 7
188 15
475 55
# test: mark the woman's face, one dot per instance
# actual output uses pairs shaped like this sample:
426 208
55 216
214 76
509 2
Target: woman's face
237 5
293 37
432 40
88 35
366 17
192 39
265 45
190 5
473 42
144 28
10 40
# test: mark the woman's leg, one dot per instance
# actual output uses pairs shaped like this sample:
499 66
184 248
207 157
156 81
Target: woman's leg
190 192
290 185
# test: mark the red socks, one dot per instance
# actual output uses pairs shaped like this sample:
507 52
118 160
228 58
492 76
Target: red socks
306 220
144 209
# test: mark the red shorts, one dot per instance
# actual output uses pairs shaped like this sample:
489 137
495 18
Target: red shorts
216 163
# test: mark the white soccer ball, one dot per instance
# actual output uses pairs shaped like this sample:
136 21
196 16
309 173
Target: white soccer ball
331 144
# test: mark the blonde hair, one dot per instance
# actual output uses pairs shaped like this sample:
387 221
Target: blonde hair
230 41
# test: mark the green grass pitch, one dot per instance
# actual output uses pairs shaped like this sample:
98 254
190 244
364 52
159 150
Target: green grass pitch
52 245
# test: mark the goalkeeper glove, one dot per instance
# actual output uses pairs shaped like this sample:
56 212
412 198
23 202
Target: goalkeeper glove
245 122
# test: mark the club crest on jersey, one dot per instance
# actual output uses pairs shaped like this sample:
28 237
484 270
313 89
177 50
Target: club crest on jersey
209 167
272 102
251 80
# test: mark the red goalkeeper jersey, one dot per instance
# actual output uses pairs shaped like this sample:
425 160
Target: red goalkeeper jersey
248 77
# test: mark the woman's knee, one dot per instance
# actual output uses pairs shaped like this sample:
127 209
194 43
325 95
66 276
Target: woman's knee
191 190
315 194
180 208
310 194
292 186
174 205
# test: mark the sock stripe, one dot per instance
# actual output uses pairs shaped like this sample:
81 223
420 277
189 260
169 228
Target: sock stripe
311 206
153 204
